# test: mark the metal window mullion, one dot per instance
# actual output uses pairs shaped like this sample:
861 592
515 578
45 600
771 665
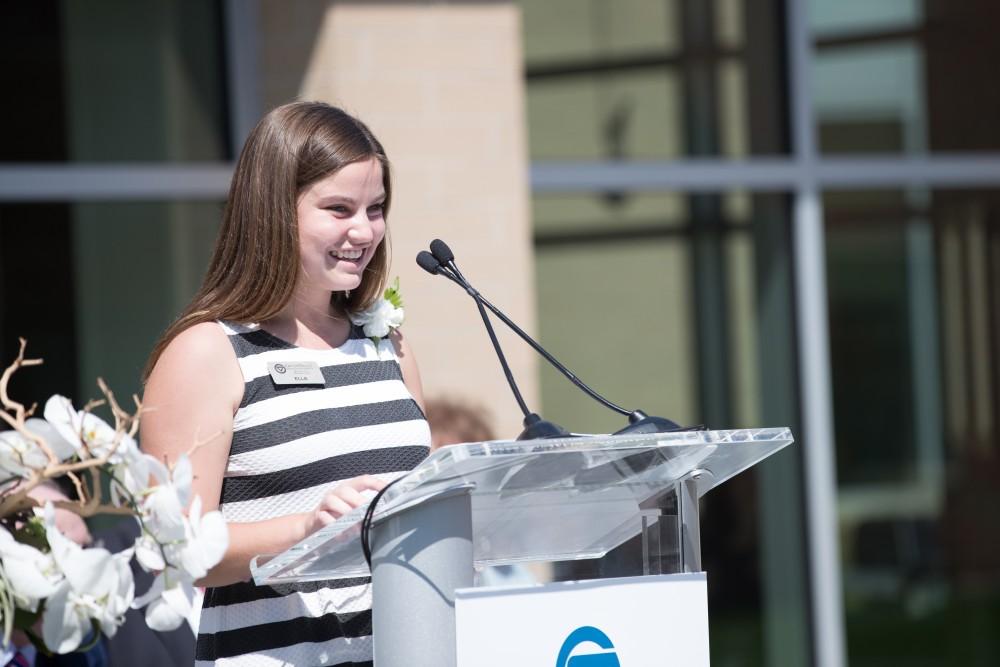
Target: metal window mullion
819 460
764 174
242 25
194 181
829 635
115 182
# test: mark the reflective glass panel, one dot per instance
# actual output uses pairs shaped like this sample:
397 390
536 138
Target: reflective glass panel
113 81
905 77
92 285
652 79
914 279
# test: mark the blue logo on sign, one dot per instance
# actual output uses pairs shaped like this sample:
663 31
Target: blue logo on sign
581 636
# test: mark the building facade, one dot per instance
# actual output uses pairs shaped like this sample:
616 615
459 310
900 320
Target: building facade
778 212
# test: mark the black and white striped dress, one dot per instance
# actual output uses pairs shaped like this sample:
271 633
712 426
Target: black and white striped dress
290 445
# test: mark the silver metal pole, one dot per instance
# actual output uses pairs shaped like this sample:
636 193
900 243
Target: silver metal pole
419 557
814 349
818 439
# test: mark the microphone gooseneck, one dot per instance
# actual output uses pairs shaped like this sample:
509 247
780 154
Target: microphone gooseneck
552 360
441 261
431 263
503 361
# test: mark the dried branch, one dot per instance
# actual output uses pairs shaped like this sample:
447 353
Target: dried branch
80 492
17 498
19 361
89 501
19 414
95 485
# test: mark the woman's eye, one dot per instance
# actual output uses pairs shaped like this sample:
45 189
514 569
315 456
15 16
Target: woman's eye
376 209
338 209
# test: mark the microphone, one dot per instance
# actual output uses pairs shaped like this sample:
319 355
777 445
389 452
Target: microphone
534 426
441 261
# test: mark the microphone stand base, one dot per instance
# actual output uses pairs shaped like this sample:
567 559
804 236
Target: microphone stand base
536 428
650 425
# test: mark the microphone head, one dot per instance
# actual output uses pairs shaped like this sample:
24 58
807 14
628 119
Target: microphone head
428 262
441 251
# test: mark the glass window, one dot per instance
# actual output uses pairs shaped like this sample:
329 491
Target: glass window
567 30
913 277
652 79
905 77
841 16
590 318
92 285
627 116
122 80
871 99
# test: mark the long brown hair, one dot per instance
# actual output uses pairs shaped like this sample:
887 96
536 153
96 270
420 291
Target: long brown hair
255 264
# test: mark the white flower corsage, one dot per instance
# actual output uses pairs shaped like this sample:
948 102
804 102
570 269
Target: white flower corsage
383 316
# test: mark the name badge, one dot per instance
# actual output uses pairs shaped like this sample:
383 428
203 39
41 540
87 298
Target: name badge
295 372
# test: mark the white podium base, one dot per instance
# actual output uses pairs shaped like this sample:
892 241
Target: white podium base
654 620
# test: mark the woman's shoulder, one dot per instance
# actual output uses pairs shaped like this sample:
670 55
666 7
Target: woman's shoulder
202 339
201 352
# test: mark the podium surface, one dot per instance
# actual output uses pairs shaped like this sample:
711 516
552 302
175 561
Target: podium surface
542 500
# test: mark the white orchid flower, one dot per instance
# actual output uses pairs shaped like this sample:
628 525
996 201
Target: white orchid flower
163 514
60 446
97 586
66 620
81 428
179 478
33 576
191 545
20 455
168 601
149 553
133 474
206 541
113 612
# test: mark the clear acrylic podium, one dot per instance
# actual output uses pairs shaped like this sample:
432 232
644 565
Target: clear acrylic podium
504 502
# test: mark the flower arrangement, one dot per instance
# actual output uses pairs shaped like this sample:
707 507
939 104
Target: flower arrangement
58 592
382 317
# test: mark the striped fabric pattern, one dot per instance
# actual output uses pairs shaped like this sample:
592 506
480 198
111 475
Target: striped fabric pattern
291 443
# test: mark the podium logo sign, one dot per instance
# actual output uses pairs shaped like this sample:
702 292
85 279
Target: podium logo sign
628 622
588 634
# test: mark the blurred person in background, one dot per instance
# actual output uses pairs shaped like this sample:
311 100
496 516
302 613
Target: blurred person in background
453 422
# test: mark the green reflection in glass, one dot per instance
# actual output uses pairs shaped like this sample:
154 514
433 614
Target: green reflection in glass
136 266
913 339
634 115
618 315
143 80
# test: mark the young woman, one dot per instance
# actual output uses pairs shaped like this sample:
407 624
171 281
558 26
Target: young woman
302 244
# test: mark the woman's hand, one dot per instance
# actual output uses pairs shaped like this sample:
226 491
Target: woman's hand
340 500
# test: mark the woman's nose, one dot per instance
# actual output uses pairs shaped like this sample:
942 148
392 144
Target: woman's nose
361 228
